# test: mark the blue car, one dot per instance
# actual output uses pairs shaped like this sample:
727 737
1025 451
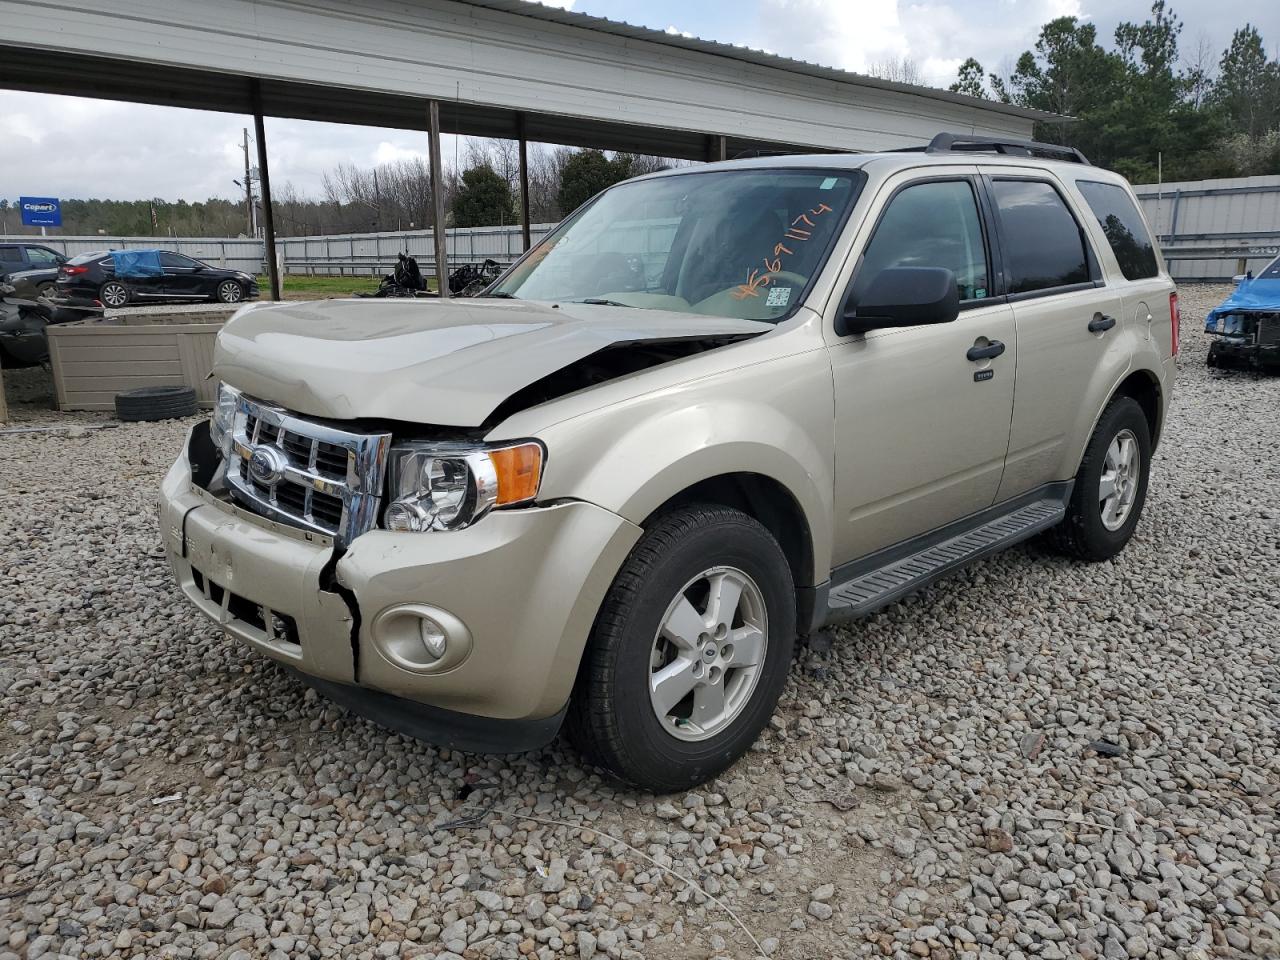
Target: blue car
1247 323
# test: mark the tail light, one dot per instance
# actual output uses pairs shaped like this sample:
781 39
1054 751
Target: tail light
1175 320
71 270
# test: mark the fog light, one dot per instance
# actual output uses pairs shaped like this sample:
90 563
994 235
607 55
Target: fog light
420 638
433 637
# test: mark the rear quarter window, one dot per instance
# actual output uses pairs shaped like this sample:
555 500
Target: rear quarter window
1125 231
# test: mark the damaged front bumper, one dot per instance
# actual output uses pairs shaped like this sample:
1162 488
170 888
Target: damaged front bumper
518 593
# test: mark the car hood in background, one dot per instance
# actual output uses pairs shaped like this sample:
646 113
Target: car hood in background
449 363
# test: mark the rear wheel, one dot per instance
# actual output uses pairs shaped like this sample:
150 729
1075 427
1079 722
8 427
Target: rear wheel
113 293
1111 485
229 291
45 289
689 653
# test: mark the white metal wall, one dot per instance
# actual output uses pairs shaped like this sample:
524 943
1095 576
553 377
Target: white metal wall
1242 211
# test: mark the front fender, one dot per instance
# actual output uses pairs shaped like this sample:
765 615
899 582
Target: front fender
774 419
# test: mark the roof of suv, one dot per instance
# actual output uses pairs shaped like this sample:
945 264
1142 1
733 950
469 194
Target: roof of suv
889 162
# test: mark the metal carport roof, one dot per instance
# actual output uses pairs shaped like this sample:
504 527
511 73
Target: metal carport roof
574 78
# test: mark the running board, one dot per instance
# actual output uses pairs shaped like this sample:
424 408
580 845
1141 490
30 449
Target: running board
909 567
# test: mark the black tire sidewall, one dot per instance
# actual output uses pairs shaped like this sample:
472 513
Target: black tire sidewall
656 757
1101 543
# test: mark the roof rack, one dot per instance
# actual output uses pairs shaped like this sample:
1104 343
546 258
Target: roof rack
966 143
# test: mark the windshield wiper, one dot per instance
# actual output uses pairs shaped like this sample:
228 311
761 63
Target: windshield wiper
501 295
598 302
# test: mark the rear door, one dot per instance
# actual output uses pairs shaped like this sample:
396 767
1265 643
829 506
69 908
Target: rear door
922 429
12 258
1068 320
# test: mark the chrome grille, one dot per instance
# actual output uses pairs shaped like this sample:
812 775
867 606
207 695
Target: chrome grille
320 478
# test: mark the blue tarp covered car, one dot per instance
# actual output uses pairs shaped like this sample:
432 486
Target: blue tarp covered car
1247 323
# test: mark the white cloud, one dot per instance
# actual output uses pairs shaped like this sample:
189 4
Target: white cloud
937 36
835 33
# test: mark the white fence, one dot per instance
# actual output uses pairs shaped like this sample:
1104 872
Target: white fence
238 253
340 254
1241 213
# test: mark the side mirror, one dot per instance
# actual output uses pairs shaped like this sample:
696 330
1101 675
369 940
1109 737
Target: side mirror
901 297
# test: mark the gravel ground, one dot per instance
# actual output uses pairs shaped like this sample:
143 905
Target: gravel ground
1032 759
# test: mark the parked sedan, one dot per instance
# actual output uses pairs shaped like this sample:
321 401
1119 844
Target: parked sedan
118 277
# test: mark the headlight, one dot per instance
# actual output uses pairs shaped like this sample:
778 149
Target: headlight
448 486
224 413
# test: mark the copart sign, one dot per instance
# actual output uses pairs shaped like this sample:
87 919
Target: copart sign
40 211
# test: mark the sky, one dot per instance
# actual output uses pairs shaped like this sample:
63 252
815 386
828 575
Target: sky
70 147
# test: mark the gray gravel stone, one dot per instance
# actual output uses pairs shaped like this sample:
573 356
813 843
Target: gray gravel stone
934 779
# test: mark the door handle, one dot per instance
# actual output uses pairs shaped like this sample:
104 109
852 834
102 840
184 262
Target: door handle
1101 322
992 350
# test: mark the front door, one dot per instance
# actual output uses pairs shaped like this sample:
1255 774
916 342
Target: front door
182 276
921 428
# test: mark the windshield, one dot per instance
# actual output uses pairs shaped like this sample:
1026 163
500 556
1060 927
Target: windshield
740 243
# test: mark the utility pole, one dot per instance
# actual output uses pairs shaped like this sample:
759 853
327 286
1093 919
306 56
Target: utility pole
248 187
377 202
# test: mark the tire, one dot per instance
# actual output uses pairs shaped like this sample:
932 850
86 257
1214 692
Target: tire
156 403
45 289
229 291
113 294
613 719
1089 532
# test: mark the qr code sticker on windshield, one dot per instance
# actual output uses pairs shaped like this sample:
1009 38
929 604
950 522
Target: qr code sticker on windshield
778 297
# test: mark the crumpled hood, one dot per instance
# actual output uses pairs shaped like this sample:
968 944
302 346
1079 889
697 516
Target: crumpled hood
1260 294
448 362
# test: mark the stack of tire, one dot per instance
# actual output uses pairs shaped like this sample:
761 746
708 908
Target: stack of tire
155 403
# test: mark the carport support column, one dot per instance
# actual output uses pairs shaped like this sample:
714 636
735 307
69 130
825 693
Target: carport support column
524 183
437 200
264 181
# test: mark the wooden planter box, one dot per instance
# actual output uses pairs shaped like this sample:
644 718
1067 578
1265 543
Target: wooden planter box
93 360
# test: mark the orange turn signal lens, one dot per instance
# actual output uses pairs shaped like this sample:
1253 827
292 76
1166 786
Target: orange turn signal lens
519 471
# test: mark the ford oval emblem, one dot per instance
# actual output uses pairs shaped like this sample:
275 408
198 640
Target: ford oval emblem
267 465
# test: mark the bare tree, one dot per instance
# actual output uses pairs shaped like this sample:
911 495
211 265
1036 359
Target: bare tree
899 70
1199 70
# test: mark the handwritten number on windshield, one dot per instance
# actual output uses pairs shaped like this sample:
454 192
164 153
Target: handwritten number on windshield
757 279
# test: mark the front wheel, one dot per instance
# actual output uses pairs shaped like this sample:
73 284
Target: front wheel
1111 485
230 292
689 653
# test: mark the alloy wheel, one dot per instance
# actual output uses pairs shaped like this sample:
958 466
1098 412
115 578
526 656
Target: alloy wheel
1118 486
230 292
708 654
114 295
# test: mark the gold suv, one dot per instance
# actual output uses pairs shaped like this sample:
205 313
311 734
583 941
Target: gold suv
715 408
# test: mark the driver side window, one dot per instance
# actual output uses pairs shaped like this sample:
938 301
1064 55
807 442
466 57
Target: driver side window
932 224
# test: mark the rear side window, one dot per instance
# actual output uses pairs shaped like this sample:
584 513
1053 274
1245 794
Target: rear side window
1123 226
11 255
1042 242
932 224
